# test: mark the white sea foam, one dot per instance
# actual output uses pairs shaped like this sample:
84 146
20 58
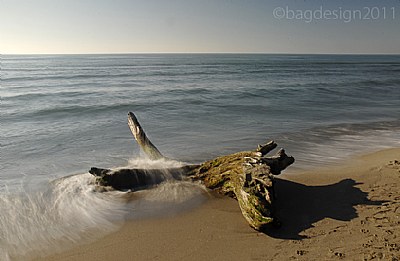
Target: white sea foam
332 146
66 211
145 163
169 197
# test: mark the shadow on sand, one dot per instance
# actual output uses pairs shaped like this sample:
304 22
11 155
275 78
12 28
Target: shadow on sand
299 206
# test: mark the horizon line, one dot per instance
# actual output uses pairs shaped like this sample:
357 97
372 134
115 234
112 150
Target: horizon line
198 53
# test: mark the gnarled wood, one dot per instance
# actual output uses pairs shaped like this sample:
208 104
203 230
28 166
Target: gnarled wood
246 176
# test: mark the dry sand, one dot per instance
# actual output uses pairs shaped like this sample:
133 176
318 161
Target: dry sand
347 212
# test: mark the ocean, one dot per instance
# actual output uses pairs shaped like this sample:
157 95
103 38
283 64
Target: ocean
62 114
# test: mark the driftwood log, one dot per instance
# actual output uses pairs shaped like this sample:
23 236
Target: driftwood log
246 176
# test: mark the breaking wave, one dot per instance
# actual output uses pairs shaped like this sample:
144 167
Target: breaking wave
69 210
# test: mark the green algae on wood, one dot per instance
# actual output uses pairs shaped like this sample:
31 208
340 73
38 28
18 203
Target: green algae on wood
246 176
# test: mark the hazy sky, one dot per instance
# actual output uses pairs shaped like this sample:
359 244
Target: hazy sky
145 26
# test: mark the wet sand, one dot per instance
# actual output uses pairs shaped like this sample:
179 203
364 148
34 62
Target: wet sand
350 211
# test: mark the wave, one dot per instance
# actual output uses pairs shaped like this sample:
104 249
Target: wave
62 213
375 83
70 111
66 77
27 96
84 103
331 144
69 210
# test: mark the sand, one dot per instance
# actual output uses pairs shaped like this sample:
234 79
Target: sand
350 211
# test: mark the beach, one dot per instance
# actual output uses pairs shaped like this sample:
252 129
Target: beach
347 211
228 95
63 115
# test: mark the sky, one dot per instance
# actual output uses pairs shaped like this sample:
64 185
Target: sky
199 26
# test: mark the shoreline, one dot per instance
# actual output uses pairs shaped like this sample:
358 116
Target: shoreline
350 210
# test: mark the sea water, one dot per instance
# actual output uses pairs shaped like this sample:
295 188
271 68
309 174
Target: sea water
62 114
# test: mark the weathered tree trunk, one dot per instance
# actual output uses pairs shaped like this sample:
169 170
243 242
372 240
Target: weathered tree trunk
246 176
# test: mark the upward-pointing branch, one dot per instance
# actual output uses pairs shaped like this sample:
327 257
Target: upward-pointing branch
145 144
